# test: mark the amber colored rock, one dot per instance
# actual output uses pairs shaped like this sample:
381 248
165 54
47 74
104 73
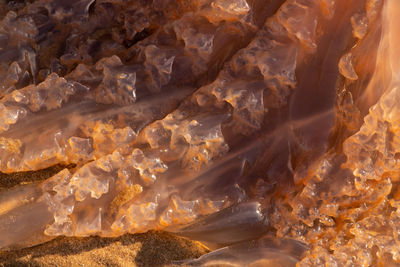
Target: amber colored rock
268 129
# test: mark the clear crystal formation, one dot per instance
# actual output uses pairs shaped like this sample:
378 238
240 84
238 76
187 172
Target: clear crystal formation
223 121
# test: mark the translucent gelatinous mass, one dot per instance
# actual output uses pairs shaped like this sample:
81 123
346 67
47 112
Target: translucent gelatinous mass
267 128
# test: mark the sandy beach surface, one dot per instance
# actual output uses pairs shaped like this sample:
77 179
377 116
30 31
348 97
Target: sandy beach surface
148 249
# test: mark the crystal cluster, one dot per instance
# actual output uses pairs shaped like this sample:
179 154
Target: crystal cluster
223 121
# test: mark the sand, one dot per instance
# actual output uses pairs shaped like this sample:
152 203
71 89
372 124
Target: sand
148 249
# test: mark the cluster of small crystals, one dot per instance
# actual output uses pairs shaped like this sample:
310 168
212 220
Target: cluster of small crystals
144 96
